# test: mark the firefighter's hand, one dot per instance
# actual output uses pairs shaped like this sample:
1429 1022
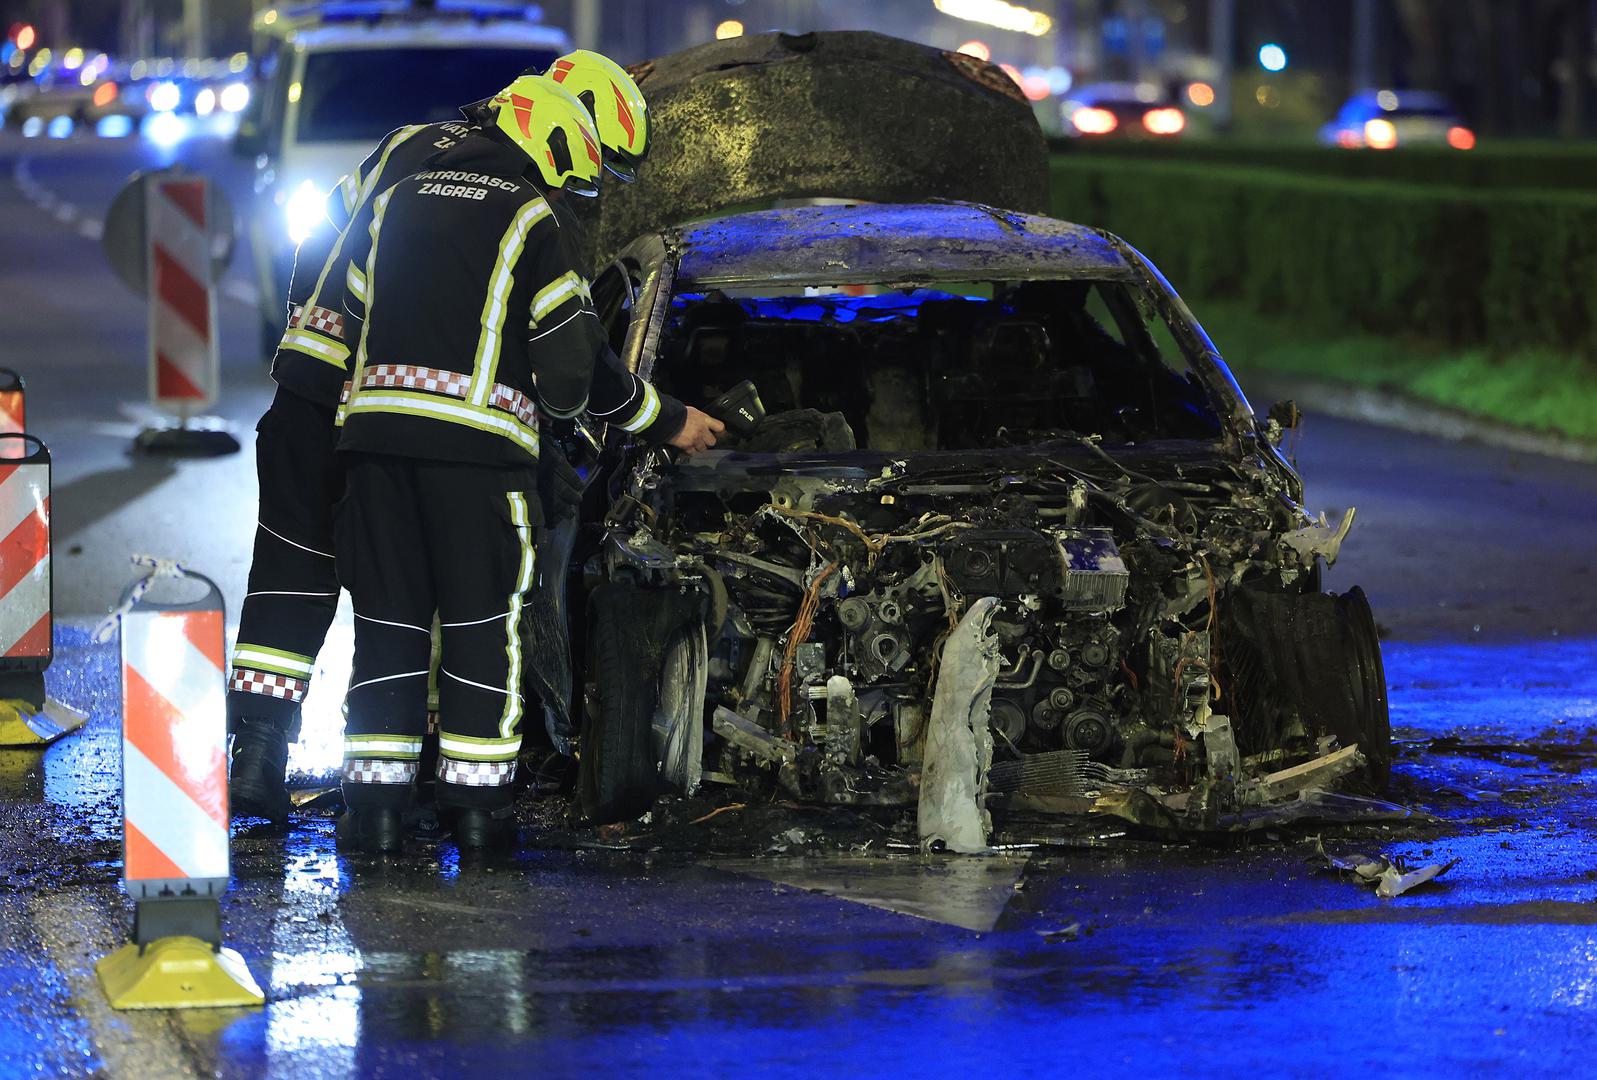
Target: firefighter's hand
698 431
559 486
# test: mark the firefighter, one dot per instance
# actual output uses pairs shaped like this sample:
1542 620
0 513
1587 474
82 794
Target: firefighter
293 590
471 317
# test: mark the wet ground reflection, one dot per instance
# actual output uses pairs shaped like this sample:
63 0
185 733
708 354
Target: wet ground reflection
1148 956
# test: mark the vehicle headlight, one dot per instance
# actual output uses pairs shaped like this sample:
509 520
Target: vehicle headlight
165 96
204 102
234 97
304 211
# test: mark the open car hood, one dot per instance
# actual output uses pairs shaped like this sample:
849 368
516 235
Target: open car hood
753 120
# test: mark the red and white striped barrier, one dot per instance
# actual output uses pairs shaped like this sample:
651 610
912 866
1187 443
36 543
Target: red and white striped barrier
174 799
13 417
174 747
183 348
25 625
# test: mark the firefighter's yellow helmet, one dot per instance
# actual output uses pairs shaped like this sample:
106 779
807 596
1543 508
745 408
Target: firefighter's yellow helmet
552 128
619 110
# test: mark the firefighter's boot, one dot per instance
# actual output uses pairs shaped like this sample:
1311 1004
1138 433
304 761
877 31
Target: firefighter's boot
479 829
375 830
257 783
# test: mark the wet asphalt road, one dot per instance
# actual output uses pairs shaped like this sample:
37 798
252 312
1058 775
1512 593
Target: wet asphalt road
738 946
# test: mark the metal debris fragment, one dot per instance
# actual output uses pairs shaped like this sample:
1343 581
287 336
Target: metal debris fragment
1391 877
1321 772
751 737
1320 539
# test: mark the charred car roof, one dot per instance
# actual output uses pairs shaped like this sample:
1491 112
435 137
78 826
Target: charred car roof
889 243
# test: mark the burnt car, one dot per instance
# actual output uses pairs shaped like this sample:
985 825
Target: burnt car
1002 531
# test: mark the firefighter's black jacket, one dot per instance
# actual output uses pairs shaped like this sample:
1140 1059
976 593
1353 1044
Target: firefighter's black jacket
313 357
469 315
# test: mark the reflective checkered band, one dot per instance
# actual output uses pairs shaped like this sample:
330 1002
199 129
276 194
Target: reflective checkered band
411 377
268 684
324 321
450 383
476 773
377 771
514 402
432 722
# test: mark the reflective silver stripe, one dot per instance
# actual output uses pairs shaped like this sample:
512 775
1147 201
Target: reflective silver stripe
646 412
510 719
355 745
494 311
306 341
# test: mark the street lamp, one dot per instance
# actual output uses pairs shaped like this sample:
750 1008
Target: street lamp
999 13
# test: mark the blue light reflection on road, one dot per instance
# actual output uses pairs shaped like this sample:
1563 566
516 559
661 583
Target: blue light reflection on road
1487 969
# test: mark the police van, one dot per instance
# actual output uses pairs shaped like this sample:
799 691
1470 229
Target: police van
340 76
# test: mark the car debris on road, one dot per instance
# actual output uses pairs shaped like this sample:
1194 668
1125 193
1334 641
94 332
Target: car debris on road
1391 877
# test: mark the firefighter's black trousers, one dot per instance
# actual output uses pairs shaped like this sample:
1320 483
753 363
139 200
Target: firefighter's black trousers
293 587
415 537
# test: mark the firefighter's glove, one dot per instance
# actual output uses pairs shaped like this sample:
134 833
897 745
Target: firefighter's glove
559 485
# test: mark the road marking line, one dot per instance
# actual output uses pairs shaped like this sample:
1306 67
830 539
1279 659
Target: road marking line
92 228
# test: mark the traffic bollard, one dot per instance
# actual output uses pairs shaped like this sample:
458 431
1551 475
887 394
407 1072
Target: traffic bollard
174 805
25 624
168 234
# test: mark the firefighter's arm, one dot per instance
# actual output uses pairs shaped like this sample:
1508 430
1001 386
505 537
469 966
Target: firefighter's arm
620 398
563 335
367 179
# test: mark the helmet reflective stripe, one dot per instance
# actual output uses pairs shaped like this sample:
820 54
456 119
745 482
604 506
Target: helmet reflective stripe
522 108
619 110
539 117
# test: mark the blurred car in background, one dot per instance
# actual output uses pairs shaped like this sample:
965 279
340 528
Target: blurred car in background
1123 111
114 98
344 76
1387 119
71 94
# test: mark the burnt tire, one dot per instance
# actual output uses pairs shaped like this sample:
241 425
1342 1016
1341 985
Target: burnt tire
1364 716
617 776
1308 665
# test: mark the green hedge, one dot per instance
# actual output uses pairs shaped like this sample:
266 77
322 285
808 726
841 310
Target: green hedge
1448 266
1489 166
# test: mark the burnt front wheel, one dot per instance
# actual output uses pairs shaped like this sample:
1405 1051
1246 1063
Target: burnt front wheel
617 774
1304 665
1359 711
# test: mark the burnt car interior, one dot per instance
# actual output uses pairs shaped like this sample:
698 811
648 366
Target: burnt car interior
923 369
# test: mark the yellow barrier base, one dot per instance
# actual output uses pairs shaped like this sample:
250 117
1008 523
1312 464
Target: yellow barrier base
21 726
177 973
